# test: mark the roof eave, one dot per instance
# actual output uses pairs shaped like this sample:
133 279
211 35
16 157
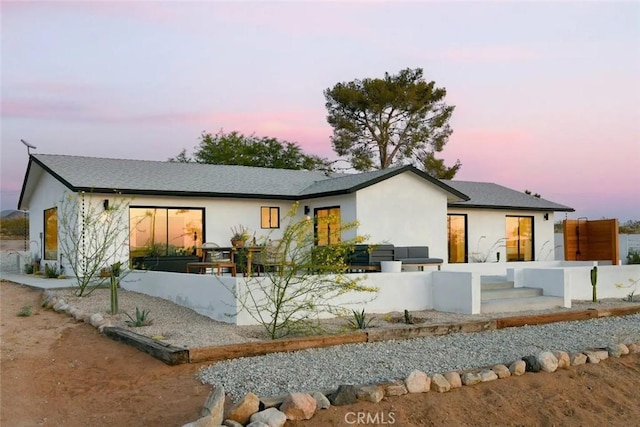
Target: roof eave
515 208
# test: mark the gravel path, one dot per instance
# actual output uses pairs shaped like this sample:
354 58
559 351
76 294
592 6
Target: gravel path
318 369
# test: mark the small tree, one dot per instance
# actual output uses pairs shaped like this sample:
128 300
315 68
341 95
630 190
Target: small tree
305 281
93 236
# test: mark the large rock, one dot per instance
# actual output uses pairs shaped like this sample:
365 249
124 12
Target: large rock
242 411
321 400
518 368
344 395
531 364
634 348
271 417
96 320
547 361
214 405
370 393
501 371
396 388
578 359
488 375
440 384
60 305
258 424
454 379
592 357
617 350
469 378
231 423
298 406
417 382
563 359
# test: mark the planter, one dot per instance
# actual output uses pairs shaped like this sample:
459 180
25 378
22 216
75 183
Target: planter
237 243
390 266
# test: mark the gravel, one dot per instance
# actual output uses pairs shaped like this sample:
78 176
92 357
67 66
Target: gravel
319 369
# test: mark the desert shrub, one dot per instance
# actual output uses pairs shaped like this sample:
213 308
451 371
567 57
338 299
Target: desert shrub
633 257
16 227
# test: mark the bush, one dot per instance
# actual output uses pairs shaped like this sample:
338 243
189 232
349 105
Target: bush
633 257
15 227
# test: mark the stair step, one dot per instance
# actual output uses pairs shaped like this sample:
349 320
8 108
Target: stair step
486 295
521 304
486 286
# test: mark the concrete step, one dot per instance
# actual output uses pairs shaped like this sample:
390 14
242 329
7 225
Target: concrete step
485 278
487 286
506 305
486 295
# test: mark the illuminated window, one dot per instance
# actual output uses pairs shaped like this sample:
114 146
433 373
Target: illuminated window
519 238
51 234
457 233
327 226
269 217
165 231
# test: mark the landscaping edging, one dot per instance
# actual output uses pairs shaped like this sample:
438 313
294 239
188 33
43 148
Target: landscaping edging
252 411
176 355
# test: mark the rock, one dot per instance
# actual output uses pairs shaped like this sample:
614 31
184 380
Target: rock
563 359
231 423
440 384
454 379
214 405
487 375
633 348
258 424
518 368
321 400
592 357
344 395
60 305
271 417
417 382
242 411
501 371
396 388
617 350
578 359
531 364
602 354
547 361
469 378
203 422
298 406
370 393
96 320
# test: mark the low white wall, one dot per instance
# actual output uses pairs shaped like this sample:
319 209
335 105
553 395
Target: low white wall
457 292
206 294
553 282
608 276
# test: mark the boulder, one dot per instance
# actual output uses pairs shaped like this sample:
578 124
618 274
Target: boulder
634 348
518 368
469 378
396 388
578 359
531 364
242 411
270 417
501 371
547 361
454 379
370 393
321 400
617 350
344 395
231 423
96 320
487 375
298 406
563 359
417 382
440 384
214 405
592 357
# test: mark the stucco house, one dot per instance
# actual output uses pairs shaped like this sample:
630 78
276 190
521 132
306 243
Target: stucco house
182 205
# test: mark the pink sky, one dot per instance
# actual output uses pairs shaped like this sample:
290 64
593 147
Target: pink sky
547 94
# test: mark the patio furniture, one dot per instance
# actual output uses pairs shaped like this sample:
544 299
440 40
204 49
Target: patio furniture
214 256
368 257
417 256
269 257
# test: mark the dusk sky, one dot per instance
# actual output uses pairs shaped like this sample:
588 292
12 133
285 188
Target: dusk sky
547 94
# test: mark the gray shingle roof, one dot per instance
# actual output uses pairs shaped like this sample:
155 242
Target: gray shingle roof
490 195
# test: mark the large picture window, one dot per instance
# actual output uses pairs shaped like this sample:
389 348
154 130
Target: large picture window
457 235
51 234
327 226
157 231
519 238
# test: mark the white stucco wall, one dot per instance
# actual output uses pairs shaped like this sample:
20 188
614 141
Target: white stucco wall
485 228
405 210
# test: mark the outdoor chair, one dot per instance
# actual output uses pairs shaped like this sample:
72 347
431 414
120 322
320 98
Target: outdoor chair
213 258
270 258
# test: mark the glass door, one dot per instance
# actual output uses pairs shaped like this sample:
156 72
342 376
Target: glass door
519 238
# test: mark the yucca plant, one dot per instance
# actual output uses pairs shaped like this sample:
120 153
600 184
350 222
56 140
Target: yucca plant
25 311
359 320
141 319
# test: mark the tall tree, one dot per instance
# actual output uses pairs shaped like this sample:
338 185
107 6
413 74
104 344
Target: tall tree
437 169
378 122
235 148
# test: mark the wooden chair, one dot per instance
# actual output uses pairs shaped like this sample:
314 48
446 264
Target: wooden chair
270 257
213 258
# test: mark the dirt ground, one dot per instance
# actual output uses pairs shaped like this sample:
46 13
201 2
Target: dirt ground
56 371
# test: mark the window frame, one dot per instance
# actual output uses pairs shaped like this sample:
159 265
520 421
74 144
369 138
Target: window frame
466 238
272 212
518 246
45 250
329 231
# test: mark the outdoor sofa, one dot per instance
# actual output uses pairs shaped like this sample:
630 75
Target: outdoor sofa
368 257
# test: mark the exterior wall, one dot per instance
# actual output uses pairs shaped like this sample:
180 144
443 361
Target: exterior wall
405 210
347 204
627 242
486 228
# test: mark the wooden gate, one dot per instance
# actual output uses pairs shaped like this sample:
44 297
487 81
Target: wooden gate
595 240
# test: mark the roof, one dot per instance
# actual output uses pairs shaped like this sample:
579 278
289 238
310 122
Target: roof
489 195
138 177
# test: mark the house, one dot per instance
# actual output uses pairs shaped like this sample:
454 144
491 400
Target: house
177 206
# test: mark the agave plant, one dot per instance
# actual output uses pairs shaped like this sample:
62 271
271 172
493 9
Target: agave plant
141 319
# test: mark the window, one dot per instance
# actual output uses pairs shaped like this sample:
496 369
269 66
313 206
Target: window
51 234
519 238
269 217
157 231
327 226
457 234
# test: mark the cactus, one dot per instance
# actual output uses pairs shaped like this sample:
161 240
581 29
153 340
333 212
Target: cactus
115 277
594 283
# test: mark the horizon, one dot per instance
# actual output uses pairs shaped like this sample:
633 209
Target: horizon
546 94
